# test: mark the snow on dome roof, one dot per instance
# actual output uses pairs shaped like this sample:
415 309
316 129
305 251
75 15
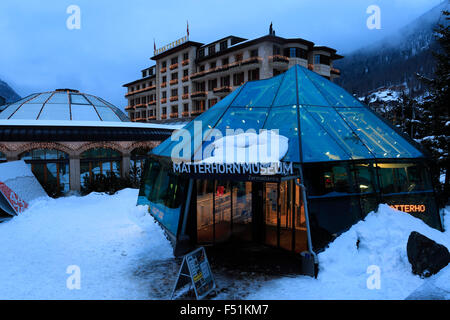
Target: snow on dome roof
321 121
63 104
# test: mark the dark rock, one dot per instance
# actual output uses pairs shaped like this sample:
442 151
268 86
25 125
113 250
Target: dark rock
426 256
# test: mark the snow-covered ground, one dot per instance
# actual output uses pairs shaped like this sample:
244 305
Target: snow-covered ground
123 254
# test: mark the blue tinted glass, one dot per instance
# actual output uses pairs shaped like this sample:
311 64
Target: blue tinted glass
55 112
242 118
317 144
205 121
28 111
59 97
285 120
41 98
10 109
308 92
78 99
82 112
287 94
107 114
95 101
336 95
341 132
259 93
381 139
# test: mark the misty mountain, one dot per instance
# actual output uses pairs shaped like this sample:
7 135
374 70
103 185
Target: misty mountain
395 61
7 92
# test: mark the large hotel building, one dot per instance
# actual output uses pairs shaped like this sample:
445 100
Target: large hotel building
190 77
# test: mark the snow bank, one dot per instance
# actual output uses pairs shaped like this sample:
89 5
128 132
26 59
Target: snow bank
108 237
249 147
343 266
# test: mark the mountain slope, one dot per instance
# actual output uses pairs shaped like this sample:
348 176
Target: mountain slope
394 60
7 92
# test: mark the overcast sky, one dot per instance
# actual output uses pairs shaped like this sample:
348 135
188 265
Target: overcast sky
39 53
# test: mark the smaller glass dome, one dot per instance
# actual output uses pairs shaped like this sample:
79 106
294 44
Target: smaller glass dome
63 104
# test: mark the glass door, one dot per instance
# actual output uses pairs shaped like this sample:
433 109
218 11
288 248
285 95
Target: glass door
271 214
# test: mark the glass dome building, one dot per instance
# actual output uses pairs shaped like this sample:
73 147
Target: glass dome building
342 160
63 104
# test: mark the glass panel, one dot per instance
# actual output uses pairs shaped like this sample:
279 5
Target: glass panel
107 114
78 99
84 113
317 144
55 112
242 210
403 177
329 180
271 214
381 139
41 98
205 209
27 111
5 114
365 177
95 101
259 93
287 93
205 121
286 215
308 92
222 214
336 95
285 120
59 97
341 132
64 176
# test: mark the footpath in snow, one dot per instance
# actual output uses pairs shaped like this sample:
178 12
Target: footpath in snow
123 254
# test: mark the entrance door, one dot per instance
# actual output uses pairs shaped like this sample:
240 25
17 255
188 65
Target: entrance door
284 216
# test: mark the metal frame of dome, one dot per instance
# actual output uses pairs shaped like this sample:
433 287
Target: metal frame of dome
318 117
63 104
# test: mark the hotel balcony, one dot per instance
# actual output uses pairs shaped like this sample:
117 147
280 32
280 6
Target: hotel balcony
174 81
173 66
152 103
222 91
140 120
164 84
163 70
140 90
164 116
185 78
185 96
197 112
335 71
245 62
150 118
279 61
185 114
199 95
173 98
141 106
174 115
128 108
163 100
185 62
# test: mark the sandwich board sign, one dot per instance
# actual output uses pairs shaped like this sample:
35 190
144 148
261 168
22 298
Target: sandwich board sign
195 271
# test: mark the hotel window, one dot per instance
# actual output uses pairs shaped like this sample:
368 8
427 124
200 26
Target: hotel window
225 81
174 60
186 90
225 61
144 73
212 84
164 110
223 45
321 59
238 57
174 76
164 94
253 74
186 107
253 53
238 79
212 65
174 108
174 92
164 79
186 56
164 64
150 72
211 50
276 50
201 53
99 161
185 73
211 102
202 68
